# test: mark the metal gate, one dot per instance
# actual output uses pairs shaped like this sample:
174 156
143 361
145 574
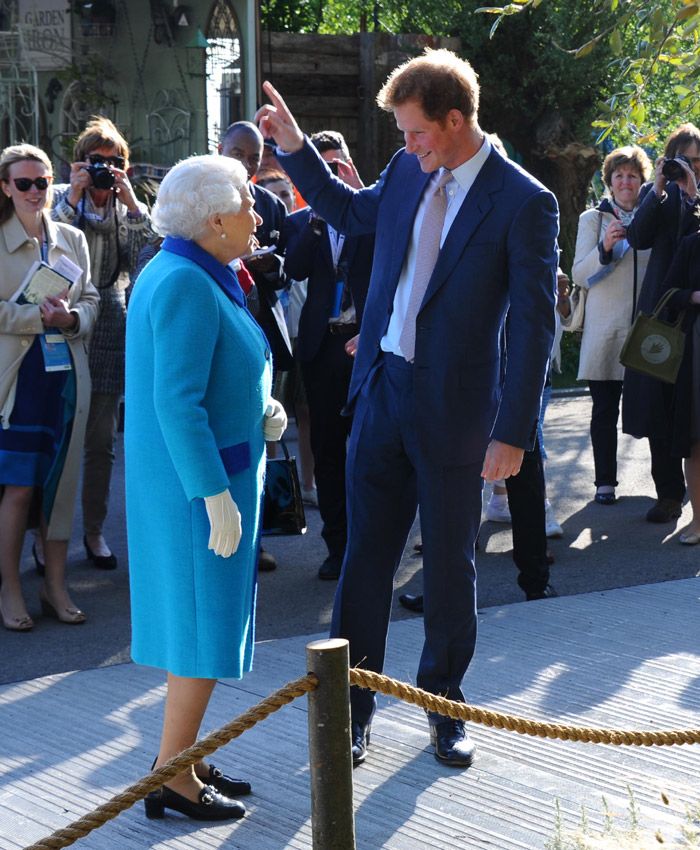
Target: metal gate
19 94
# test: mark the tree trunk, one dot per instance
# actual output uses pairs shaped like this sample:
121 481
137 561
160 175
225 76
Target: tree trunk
567 172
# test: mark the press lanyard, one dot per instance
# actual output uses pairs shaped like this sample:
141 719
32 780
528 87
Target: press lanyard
337 240
53 344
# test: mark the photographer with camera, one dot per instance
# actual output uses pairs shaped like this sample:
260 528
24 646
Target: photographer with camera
668 211
100 201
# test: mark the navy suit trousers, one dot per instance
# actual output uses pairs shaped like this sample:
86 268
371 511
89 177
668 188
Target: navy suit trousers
388 478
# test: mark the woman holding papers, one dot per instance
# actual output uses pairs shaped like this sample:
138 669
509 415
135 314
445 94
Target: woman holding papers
610 274
198 412
44 380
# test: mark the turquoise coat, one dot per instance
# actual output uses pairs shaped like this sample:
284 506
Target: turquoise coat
198 376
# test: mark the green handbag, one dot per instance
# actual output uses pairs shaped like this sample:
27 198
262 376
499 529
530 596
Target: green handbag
654 347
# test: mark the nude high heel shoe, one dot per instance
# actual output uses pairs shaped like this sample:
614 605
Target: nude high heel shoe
70 616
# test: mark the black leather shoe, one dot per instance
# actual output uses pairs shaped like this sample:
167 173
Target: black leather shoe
102 562
548 593
266 561
211 805
452 744
330 568
40 567
360 734
665 510
605 498
413 603
225 784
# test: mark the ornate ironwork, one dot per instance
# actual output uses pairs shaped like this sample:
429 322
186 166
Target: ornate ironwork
19 102
224 71
169 127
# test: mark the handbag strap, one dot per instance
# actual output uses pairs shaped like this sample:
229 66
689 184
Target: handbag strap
634 287
285 450
662 303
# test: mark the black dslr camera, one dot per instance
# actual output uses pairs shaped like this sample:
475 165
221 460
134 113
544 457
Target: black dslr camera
672 168
101 175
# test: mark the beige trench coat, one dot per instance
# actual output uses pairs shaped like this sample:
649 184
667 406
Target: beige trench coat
20 323
609 303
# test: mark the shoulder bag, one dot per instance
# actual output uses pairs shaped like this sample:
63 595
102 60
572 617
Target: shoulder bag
655 347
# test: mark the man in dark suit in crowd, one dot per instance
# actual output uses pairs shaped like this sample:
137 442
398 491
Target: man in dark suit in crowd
244 142
462 237
338 270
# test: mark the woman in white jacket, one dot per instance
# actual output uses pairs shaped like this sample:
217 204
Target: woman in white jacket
610 273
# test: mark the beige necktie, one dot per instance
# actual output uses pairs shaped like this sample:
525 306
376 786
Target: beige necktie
426 256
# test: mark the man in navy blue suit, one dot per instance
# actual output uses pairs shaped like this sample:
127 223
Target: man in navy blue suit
432 418
338 270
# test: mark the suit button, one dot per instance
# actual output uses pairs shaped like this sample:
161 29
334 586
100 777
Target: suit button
24 343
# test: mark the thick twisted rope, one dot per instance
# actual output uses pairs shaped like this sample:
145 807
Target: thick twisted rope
497 720
98 817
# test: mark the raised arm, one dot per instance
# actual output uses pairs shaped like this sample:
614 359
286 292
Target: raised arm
276 121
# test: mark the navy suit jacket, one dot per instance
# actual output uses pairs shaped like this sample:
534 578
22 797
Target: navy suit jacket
270 314
500 254
308 255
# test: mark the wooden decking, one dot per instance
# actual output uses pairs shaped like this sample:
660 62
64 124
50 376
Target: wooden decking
627 658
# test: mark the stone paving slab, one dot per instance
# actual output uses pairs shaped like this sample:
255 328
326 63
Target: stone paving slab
624 658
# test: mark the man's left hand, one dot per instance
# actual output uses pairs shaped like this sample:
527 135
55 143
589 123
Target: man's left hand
501 461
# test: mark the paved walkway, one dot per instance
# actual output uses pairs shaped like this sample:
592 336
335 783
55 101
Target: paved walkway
625 658
79 724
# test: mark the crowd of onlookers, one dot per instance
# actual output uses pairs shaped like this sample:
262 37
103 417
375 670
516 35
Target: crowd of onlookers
306 285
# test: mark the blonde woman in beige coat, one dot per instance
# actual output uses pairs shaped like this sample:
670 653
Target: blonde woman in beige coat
43 408
611 274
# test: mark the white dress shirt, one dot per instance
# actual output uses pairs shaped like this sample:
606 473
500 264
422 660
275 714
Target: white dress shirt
457 190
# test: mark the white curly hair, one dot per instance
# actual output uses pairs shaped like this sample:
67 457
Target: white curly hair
195 189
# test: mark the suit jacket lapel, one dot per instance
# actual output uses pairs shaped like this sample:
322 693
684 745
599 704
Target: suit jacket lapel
474 209
404 226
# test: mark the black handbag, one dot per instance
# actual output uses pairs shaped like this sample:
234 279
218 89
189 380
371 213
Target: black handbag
283 509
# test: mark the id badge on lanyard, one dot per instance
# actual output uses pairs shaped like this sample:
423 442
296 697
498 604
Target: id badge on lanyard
337 240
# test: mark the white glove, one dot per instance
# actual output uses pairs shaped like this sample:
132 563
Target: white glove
225 523
275 421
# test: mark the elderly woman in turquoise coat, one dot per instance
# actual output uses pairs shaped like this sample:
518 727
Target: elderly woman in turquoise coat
198 413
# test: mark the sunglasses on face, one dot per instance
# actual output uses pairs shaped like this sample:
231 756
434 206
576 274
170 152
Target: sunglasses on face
24 184
114 161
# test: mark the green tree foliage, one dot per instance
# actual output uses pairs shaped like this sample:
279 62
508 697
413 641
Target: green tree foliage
344 17
655 60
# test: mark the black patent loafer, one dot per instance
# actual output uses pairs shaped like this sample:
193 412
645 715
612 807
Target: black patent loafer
211 805
225 785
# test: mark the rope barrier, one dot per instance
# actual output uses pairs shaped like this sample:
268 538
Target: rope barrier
364 679
98 817
539 729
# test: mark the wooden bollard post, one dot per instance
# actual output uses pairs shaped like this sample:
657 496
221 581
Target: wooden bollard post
332 817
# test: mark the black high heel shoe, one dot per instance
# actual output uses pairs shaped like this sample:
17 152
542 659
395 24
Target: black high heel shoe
211 805
102 562
40 567
225 785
